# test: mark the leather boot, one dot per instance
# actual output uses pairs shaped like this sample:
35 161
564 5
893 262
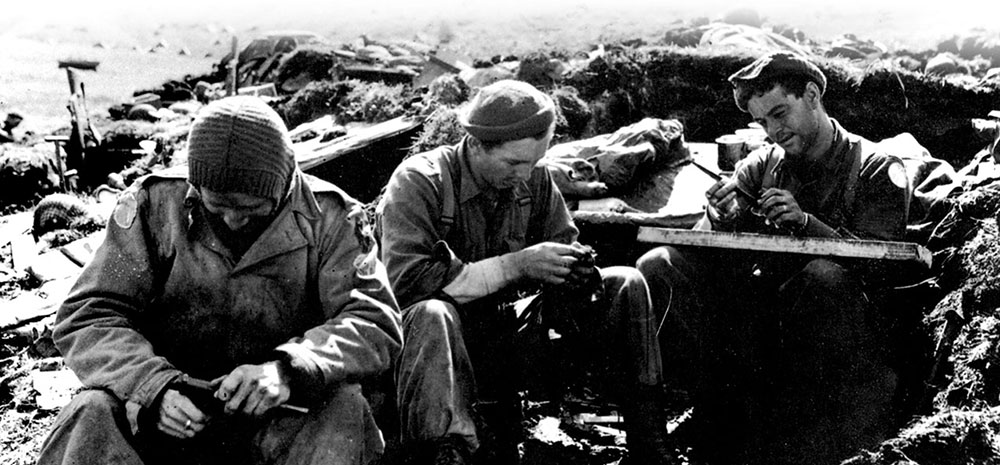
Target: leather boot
451 450
646 428
498 426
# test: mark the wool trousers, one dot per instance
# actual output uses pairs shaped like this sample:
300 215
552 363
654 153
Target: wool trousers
93 429
455 356
784 356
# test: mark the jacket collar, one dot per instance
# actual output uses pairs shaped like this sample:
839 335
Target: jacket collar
824 168
283 235
470 188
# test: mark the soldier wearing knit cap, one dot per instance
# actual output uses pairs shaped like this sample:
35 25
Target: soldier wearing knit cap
241 145
508 110
791 359
467 229
240 154
230 314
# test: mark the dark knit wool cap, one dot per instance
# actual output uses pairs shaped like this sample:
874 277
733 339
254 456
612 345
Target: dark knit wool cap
508 110
239 144
774 65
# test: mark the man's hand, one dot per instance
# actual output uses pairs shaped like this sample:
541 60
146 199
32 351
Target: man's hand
722 199
781 209
179 417
254 389
548 262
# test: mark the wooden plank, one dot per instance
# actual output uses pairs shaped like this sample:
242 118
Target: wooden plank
313 156
262 90
36 304
23 251
879 250
15 225
67 260
88 65
639 219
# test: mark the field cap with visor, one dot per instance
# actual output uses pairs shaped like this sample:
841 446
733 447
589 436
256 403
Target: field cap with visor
769 67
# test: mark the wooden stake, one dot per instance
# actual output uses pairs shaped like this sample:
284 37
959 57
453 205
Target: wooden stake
879 250
234 70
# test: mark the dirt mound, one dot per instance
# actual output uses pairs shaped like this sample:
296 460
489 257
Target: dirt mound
26 174
879 100
621 84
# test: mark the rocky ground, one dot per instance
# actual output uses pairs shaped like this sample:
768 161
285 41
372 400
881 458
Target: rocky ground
677 74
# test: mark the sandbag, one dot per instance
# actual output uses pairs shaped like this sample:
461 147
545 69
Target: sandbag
610 163
748 39
932 181
26 174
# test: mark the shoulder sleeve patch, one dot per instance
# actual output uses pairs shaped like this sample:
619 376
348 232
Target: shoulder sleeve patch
897 174
125 211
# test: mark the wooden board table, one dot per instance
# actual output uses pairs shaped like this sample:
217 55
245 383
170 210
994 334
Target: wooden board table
848 248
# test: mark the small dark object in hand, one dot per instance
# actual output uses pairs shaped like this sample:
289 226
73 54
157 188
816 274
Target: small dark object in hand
583 287
583 274
201 393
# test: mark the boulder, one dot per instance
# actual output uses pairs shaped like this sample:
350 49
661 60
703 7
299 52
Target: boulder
27 173
748 39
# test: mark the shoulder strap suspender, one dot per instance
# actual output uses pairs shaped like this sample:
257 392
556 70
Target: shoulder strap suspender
850 187
450 187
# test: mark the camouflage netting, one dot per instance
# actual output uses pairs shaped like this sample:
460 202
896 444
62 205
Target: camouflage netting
303 65
573 115
374 102
440 128
316 99
26 174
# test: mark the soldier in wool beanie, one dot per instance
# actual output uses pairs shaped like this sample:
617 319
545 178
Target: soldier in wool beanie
239 144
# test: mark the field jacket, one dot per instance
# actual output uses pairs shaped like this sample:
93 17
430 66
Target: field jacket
855 189
162 296
435 219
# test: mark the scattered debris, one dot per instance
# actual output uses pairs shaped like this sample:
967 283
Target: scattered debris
379 100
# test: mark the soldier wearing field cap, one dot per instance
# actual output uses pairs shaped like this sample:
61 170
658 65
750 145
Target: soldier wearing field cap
788 353
246 274
466 230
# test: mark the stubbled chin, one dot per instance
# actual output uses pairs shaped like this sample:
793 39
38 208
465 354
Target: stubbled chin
789 146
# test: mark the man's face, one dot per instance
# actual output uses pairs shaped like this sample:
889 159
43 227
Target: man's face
791 122
236 213
504 166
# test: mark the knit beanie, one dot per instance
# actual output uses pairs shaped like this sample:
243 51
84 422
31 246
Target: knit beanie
239 144
508 110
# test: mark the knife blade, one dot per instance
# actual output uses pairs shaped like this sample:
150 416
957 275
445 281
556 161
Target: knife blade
752 199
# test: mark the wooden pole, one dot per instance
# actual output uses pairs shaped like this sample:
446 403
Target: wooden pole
820 246
74 82
234 69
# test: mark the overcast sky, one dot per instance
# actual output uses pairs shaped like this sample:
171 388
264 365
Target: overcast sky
983 13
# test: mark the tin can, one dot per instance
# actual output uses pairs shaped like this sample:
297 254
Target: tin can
732 149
